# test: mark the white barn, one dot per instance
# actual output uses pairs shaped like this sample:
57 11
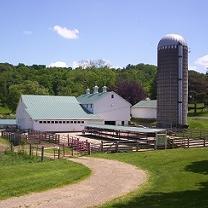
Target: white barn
145 109
109 106
53 114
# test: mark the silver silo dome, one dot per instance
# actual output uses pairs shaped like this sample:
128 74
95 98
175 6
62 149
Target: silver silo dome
172 81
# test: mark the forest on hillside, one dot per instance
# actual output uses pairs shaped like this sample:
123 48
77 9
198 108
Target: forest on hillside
133 82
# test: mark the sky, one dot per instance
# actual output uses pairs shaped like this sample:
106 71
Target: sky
121 32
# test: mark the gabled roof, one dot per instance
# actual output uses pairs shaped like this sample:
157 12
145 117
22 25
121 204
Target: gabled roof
54 107
91 98
146 104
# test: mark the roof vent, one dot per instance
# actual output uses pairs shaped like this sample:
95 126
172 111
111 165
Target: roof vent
104 88
87 91
95 89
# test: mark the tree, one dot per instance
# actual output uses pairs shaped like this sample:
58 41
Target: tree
132 91
27 87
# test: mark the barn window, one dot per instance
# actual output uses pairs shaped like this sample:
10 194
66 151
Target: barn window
60 121
78 121
71 121
82 121
52 121
112 96
64 122
56 121
75 121
44 121
40 121
48 122
67 121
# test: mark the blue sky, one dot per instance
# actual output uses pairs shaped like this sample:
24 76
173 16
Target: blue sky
119 31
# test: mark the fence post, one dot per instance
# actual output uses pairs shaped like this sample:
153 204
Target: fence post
30 145
137 145
11 147
204 142
188 142
58 152
72 149
88 148
68 141
42 153
101 146
63 150
116 147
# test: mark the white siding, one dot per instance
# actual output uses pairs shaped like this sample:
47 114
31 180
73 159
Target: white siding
148 113
113 109
63 127
22 117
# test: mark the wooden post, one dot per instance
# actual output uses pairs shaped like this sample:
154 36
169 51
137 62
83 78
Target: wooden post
137 145
88 148
30 146
11 147
101 146
63 150
68 141
204 142
58 152
42 153
188 142
116 147
72 149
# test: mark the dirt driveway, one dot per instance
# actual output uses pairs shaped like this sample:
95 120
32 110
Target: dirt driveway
109 179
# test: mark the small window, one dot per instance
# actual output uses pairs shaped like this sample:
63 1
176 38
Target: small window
82 121
67 121
91 105
112 96
75 121
52 122
64 122
48 122
40 121
78 121
60 122
71 121
56 122
44 121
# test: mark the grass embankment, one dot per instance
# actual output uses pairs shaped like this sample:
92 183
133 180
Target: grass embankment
21 174
178 178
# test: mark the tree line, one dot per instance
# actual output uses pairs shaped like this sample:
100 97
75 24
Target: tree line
133 82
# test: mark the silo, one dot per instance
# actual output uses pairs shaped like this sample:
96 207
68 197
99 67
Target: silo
172 81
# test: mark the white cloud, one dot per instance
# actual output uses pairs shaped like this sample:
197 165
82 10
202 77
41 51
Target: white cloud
200 65
27 32
60 64
66 33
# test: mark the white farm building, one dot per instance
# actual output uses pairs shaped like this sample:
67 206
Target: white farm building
109 106
52 113
145 109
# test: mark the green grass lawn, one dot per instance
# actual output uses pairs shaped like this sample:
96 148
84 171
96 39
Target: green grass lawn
177 179
21 174
199 123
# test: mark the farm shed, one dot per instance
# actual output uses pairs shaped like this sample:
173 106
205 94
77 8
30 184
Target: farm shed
52 114
145 109
109 106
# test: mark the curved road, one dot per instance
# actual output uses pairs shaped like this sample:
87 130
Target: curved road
109 179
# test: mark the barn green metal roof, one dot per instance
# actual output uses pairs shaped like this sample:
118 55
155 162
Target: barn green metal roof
91 98
54 107
146 104
127 128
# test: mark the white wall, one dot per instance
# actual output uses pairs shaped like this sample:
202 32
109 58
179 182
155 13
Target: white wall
148 113
22 117
113 109
63 127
